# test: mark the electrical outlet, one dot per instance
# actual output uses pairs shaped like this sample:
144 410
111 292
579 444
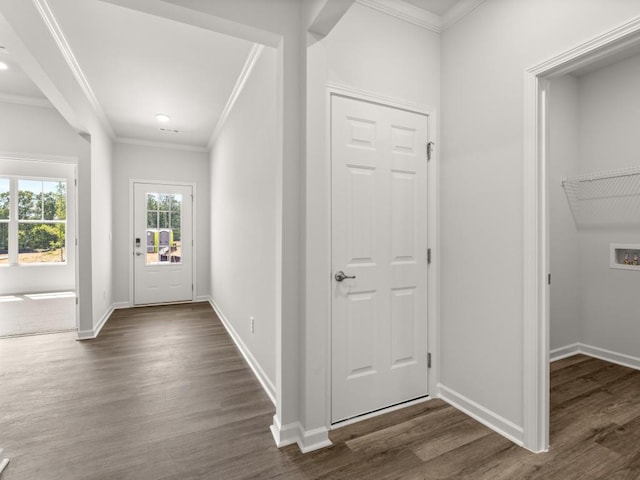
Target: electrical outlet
253 326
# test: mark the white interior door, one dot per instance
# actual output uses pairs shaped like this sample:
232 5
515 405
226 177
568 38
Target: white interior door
379 237
162 243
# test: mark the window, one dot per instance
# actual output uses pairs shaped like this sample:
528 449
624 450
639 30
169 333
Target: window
164 240
33 220
5 195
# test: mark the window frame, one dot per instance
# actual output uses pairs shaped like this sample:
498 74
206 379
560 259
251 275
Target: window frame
14 221
7 221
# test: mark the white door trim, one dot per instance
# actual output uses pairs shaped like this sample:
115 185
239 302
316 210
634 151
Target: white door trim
536 221
433 224
132 182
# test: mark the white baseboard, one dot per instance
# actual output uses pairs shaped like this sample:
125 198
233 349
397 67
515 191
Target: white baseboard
313 439
121 305
201 298
3 461
260 374
564 352
609 356
294 433
495 422
596 352
91 334
284 435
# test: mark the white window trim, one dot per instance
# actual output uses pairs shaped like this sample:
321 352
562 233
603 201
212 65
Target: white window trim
14 222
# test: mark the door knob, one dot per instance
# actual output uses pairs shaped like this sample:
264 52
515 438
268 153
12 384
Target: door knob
138 254
340 276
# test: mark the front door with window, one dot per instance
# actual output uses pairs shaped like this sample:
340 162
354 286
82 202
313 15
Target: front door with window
162 243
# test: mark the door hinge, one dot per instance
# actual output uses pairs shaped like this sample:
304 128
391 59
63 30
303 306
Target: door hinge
428 255
428 360
76 300
76 242
549 279
75 182
192 287
430 146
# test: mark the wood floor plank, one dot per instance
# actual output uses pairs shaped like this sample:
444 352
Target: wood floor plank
465 459
406 433
576 370
449 437
370 425
623 439
586 383
567 361
163 394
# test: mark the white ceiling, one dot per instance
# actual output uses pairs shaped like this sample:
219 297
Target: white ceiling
14 82
439 7
138 65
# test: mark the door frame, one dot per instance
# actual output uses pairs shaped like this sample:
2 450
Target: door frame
433 224
536 315
131 235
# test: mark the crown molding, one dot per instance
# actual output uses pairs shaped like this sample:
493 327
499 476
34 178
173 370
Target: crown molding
406 12
29 101
252 58
151 143
458 11
38 157
54 28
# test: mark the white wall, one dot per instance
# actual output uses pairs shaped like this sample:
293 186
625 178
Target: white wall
136 162
371 51
244 167
564 145
26 130
39 130
484 57
375 52
101 225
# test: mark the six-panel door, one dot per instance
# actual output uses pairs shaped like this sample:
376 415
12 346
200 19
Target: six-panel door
379 235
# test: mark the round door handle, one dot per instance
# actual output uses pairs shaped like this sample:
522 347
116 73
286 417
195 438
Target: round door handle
340 276
139 254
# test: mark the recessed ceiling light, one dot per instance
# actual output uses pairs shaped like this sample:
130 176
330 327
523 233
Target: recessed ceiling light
4 66
161 117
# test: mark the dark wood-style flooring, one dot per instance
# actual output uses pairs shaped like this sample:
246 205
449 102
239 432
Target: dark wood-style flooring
164 394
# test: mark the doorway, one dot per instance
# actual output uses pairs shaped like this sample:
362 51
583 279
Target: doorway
37 245
162 243
379 256
605 49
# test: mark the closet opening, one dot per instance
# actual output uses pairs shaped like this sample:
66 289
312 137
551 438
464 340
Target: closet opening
594 238
581 229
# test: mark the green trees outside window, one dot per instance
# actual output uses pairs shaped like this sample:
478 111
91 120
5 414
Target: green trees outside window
5 188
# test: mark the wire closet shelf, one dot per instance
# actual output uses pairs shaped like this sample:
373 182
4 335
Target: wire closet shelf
610 198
